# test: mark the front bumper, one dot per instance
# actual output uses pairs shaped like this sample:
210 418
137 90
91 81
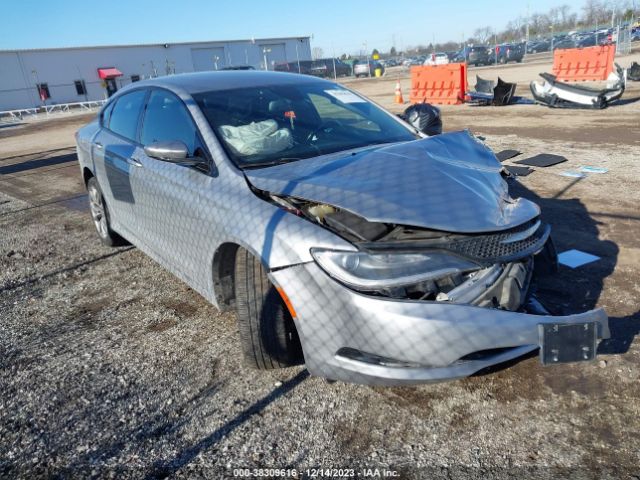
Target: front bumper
404 341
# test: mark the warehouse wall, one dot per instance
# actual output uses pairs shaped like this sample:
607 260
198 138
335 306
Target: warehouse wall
59 68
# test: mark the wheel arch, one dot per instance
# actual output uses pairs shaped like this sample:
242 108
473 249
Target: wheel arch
224 260
86 175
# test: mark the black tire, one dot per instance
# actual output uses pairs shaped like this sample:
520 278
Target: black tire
100 216
268 335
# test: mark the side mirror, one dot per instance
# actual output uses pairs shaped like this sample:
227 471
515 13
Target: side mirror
175 151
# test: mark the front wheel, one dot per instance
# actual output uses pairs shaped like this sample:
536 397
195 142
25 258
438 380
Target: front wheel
268 335
100 216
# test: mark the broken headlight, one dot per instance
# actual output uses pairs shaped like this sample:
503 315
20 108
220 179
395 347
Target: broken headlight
373 271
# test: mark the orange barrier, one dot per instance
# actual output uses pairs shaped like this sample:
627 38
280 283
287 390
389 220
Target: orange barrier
439 84
582 64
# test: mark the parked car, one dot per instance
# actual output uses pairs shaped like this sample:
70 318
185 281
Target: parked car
367 69
439 58
564 44
452 56
509 52
293 200
325 68
238 67
477 55
590 41
538 46
303 66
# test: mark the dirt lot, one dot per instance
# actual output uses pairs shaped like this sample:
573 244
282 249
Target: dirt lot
110 366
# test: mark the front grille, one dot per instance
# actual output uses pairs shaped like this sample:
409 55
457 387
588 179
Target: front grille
485 248
499 246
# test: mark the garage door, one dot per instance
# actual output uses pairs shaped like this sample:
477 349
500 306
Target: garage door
276 55
206 58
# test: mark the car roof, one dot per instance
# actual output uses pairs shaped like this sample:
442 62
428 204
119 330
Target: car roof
229 79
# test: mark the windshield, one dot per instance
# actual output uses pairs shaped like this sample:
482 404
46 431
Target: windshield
262 126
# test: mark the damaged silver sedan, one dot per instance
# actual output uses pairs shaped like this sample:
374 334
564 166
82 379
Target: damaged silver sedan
343 237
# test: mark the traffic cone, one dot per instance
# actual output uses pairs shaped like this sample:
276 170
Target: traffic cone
399 98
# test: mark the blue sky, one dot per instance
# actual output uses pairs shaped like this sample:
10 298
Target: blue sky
340 26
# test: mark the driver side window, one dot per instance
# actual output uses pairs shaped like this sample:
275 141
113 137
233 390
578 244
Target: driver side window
166 119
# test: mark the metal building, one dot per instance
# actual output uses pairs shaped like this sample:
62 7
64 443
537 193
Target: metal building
34 78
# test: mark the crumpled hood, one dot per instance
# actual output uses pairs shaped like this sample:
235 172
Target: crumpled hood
448 182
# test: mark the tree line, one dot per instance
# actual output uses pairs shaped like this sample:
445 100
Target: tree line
592 14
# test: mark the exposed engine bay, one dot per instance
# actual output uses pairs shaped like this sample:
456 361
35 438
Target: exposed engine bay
504 260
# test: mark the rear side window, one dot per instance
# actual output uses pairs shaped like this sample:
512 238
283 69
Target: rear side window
125 114
167 119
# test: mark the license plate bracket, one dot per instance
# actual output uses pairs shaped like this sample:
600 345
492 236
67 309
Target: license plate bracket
565 343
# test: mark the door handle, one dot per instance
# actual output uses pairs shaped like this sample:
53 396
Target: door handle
98 145
134 162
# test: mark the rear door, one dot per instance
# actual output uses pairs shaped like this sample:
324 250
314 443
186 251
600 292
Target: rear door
169 208
114 148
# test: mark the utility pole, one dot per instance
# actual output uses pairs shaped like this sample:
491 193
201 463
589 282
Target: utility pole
528 20
366 52
613 16
265 50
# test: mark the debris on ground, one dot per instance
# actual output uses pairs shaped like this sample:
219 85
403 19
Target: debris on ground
572 174
575 258
558 94
489 93
519 171
587 169
542 160
507 154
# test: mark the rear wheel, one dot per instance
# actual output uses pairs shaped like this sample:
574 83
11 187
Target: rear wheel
100 216
268 335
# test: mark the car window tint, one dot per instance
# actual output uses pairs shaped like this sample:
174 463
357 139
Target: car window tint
125 114
166 119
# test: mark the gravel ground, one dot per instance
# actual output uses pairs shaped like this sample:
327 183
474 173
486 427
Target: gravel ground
109 366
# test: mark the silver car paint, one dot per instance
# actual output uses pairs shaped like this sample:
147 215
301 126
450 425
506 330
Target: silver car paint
433 334
449 182
181 217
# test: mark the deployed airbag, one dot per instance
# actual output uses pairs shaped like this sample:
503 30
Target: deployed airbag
257 137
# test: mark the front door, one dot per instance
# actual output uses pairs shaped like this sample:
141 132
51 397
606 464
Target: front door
169 201
111 85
